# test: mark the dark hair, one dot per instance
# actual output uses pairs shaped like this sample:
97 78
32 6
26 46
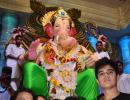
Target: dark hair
20 91
7 70
120 70
102 62
18 36
98 42
5 77
118 61
36 97
72 98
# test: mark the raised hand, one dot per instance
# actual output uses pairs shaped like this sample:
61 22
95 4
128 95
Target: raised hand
32 54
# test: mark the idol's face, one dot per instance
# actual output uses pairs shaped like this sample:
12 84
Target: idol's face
61 26
62 30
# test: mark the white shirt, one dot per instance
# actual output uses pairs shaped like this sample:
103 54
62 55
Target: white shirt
123 84
102 54
15 51
12 49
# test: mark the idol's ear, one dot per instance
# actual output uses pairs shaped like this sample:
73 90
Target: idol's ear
75 14
73 31
48 30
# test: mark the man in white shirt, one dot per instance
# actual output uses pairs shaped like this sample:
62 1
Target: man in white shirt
100 53
15 53
124 83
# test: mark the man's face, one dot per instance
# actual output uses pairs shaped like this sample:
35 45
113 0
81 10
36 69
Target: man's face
99 47
107 77
19 40
24 96
120 67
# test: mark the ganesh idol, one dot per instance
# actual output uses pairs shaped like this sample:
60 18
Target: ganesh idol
62 66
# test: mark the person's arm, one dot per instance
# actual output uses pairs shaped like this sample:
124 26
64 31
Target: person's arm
108 48
11 91
12 57
91 60
12 87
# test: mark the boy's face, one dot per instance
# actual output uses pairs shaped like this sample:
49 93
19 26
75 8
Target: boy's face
107 77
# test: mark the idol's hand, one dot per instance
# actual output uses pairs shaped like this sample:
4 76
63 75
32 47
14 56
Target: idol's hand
91 60
32 55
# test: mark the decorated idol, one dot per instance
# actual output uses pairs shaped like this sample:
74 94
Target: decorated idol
64 62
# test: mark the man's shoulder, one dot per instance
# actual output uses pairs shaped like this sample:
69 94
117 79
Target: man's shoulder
11 44
22 48
123 96
126 95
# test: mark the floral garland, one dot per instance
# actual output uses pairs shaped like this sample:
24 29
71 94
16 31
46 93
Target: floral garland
64 77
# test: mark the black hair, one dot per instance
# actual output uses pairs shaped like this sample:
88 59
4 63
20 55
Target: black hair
72 98
118 61
18 36
99 42
5 77
120 70
103 62
20 91
7 70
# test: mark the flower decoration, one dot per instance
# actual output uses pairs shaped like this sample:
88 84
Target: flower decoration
65 76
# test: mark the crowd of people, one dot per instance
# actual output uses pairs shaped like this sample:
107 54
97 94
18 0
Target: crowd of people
71 70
